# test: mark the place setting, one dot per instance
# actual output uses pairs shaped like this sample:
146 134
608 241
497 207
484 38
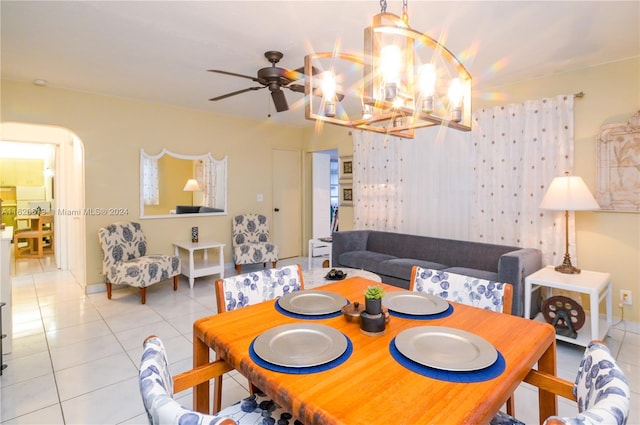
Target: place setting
416 305
300 348
448 354
311 304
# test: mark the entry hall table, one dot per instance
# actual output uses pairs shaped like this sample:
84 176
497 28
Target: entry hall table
370 387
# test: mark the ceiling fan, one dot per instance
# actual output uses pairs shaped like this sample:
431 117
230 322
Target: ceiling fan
273 77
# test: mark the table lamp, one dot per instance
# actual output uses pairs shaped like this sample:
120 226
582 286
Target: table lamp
192 186
568 193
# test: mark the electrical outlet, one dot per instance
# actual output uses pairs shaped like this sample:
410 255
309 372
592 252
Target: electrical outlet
625 297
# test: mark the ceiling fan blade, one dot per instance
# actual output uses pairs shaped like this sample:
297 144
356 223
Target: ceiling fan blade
234 74
299 88
279 100
224 96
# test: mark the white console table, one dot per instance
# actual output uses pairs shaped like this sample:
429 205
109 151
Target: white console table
197 267
6 236
595 284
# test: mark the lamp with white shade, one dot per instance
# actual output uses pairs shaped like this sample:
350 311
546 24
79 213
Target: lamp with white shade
568 193
192 185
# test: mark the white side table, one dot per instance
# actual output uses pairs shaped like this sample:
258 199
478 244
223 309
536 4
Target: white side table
595 284
317 248
201 266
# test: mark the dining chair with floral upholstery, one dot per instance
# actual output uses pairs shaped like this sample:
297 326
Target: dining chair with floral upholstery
125 260
251 242
481 293
252 288
157 388
601 391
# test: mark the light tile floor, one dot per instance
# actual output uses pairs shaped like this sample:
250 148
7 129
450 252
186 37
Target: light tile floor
75 356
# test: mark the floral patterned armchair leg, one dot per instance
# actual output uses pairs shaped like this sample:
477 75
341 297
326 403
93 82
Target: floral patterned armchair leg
600 389
251 244
157 388
125 260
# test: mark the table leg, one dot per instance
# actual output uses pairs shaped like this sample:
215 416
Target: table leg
310 252
594 301
527 299
201 391
548 401
192 269
221 261
609 307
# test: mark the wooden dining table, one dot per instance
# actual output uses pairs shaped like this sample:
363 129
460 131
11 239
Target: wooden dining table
371 387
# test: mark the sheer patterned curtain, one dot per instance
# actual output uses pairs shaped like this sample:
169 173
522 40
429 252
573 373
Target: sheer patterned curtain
518 149
206 176
378 176
151 181
420 186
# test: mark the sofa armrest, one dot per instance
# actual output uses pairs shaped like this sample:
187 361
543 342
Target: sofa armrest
513 267
346 241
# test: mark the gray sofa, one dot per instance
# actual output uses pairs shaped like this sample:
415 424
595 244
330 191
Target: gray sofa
392 255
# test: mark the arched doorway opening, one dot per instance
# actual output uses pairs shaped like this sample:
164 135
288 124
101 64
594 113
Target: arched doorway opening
68 187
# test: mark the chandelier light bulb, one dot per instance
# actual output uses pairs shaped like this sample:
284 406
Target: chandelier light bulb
390 64
455 99
329 93
427 85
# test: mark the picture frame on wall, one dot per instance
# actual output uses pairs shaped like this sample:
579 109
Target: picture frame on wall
346 193
346 167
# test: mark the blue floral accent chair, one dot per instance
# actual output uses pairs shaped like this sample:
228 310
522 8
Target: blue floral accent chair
157 389
601 391
256 287
481 293
250 240
125 260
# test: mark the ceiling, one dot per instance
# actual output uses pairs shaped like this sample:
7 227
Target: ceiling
160 51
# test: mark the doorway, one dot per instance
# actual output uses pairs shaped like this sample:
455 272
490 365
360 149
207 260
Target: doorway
67 189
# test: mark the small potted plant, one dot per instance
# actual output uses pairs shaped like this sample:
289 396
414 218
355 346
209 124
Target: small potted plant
372 321
373 299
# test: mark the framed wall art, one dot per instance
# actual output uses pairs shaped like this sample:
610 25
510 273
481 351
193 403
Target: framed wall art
346 193
618 166
346 167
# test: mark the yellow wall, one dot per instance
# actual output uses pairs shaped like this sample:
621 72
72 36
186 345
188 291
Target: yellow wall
114 129
605 241
172 175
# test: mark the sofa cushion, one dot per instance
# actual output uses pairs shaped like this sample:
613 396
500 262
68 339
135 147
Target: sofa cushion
479 274
366 260
401 267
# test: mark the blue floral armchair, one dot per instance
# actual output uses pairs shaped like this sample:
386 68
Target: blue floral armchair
600 389
125 260
251 244
157 388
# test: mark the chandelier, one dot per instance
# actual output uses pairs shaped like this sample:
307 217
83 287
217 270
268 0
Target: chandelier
404 80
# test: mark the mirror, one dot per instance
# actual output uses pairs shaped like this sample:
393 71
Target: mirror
164 192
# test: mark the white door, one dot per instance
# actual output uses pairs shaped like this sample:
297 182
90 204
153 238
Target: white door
286 225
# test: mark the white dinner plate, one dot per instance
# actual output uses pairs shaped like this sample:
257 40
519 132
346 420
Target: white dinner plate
300 345
416 303
312 302
446 348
